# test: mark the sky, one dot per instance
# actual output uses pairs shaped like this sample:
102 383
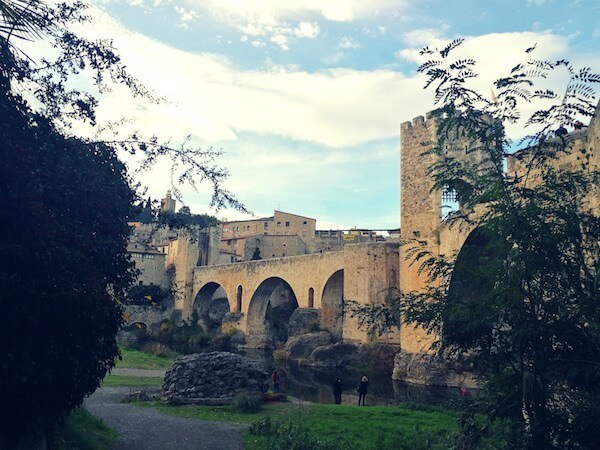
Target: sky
306 97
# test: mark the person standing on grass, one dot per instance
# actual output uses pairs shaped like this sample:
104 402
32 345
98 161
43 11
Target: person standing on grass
337 390
362 390
275 381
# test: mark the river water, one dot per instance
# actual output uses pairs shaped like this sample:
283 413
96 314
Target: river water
315 384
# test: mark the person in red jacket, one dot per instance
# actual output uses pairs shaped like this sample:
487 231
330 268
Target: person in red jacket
275 381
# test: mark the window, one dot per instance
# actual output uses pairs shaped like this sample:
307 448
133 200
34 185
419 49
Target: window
304 223
287 224
311 298
450 202
278 224
283 254
239 299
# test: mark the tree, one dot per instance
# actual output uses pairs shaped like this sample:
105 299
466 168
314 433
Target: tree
65 205
520 302
66 201
533 335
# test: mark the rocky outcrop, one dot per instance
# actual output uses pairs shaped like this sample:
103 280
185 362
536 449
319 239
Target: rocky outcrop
304 320
300 347
431 370
334 355
212 378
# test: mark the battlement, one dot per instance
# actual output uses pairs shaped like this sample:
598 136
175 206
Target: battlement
420 122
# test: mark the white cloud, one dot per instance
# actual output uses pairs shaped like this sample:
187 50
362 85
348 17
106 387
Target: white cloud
216 101
258 43
281 40
185 16
348 42
309 30
276 11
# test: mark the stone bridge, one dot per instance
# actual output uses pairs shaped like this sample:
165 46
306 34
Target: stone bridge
260 296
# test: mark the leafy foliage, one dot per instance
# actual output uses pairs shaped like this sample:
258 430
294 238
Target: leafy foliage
49 82
64 232
519 302
246 403
146 295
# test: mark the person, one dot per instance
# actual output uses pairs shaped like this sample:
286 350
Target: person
362 390
275 381
337 390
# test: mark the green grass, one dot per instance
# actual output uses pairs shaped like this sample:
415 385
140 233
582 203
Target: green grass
82 431
135 359
126 380
374 427
215 413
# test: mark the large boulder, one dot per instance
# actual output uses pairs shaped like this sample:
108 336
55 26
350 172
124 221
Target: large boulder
212 378
334 355
304 320
431 370
300 347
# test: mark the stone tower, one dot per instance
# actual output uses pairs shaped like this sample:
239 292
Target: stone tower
167 204
420 213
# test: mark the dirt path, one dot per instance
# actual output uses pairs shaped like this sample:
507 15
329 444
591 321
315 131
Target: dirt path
146 429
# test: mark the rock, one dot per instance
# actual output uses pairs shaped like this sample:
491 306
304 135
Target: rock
300 347
334 355
431 370
304 320
212 378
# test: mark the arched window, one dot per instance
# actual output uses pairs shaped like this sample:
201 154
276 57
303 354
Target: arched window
450 202
311 298
238 307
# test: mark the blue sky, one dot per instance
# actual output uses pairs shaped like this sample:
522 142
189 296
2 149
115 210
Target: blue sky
306 97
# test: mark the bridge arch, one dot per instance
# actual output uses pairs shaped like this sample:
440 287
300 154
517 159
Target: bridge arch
477 266
211 304
269 311
332 304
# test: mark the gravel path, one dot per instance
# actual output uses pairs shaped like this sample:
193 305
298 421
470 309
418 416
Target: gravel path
138 372
146 429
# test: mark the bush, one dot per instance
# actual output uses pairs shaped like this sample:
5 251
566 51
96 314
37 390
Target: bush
156 348
221 342
262 427
291 436
246 403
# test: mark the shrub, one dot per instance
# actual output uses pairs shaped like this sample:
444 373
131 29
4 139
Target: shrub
291 436
246 403
156 348
262 427
221 342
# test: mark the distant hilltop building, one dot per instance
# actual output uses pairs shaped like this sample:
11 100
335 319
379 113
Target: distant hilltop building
168 203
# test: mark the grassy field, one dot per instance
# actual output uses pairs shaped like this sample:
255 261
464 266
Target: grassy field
82 431
375 427
127 380
134 359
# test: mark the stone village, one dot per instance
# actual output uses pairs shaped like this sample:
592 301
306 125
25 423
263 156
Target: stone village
262 277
